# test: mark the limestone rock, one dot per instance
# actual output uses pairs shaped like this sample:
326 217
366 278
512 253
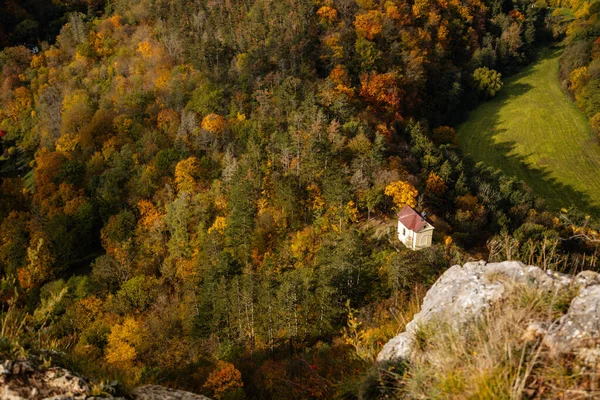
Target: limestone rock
399 347
587 278
28 379
153 392
579 328
463 293
23 379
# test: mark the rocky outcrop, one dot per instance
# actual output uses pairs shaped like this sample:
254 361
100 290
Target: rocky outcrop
23 379
154 392
463 293
579 329
30 379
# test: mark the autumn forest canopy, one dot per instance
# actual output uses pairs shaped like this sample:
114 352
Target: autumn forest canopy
202 193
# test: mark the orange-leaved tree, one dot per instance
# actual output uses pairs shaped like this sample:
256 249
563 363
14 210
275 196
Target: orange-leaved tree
435 184
214 123
382 92
327 14
368 25
224 381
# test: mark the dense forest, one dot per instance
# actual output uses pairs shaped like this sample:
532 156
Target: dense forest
201 193
580 65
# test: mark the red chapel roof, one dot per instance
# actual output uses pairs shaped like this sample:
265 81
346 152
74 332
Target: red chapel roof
412 219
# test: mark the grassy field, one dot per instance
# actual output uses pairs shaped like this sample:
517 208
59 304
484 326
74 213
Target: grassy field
533 131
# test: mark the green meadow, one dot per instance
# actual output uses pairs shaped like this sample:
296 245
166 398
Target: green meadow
533 131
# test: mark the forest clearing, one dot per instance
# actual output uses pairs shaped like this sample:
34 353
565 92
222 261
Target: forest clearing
533 131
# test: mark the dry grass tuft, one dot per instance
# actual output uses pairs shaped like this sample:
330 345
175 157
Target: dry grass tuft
498 357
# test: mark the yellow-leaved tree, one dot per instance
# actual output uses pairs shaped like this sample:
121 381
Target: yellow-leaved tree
219 225
402 193
186 172
122 343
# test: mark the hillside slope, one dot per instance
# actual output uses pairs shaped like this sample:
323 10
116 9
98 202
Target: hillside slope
533 131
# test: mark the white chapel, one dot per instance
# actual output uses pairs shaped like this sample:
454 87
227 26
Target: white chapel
415 230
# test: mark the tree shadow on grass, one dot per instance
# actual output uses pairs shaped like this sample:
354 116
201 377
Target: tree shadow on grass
538 178
517 89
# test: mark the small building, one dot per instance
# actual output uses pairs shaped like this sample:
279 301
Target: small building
415 230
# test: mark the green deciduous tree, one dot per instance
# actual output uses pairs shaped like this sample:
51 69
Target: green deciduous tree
487 81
